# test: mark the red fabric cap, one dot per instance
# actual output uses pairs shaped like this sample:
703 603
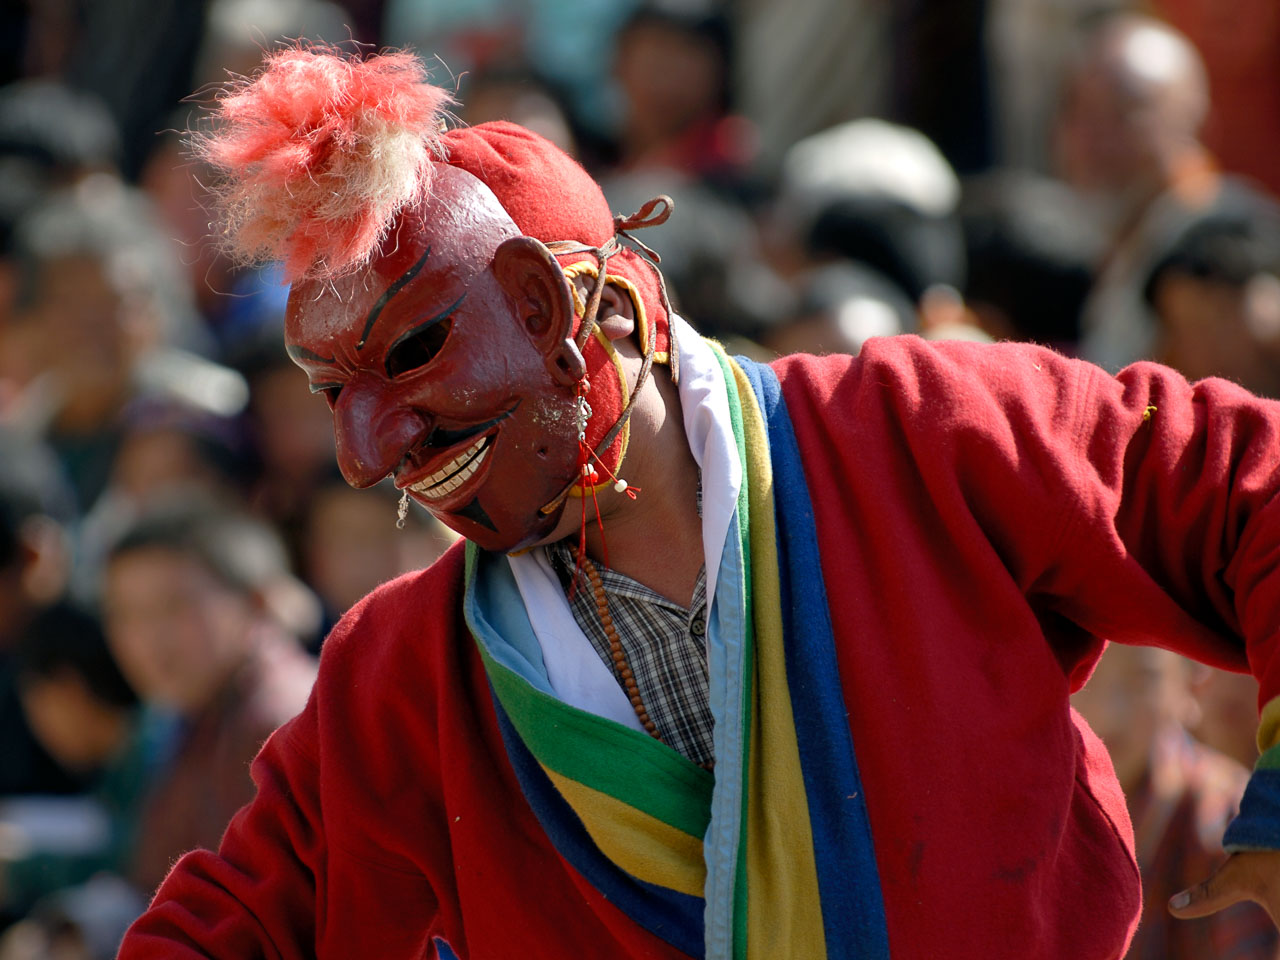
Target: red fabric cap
550 197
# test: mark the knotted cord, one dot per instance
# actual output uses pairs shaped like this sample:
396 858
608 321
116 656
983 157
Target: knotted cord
653 213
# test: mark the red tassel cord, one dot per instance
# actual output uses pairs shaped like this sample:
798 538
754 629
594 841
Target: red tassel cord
619 484
604 547
590 479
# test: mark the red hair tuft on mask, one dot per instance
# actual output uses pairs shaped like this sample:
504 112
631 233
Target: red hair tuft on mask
318 152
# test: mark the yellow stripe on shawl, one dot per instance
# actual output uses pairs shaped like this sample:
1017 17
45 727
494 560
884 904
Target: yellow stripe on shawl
640 844
1269 725
784 912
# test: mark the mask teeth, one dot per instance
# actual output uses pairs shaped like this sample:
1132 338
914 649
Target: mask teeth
436 486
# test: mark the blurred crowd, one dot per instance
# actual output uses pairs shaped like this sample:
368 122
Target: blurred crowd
175 540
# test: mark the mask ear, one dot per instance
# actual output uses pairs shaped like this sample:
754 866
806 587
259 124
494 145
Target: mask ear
530 275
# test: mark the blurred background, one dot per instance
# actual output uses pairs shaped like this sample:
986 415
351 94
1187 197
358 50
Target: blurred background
175 541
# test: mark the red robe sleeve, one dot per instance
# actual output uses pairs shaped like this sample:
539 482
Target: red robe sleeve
1169 527
1140 506
1137 508
1186 517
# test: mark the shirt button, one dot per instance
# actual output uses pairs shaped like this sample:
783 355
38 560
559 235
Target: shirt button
698 626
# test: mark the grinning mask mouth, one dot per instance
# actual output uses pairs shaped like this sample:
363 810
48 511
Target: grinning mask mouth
460 453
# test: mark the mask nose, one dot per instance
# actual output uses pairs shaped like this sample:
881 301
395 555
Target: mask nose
372 430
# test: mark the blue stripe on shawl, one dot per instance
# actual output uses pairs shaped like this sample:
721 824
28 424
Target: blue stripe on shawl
1256 826
726 653
669 915
853 915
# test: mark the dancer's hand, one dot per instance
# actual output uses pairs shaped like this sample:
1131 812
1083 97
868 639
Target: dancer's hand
1249 875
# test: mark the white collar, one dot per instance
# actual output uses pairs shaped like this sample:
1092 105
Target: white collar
577 674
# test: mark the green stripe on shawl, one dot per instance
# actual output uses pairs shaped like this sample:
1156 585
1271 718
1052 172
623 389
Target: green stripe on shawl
604 755
612 759
1269 759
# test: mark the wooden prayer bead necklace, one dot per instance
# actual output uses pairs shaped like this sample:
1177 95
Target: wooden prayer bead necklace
620 665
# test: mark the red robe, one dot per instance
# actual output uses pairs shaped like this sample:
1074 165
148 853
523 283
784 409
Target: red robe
983 515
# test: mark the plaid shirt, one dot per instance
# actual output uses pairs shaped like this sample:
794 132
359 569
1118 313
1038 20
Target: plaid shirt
665 646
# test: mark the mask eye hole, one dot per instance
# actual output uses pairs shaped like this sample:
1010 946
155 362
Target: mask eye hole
418 347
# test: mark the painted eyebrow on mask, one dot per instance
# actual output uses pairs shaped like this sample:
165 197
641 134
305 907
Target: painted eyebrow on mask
302 353
387 294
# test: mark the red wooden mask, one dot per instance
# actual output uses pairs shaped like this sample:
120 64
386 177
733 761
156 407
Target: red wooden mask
450 366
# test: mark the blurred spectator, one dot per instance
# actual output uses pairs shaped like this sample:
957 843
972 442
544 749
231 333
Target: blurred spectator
350 543
85 922
1240 43
292 434
85 714
842 305
882 197
940 78
17 345
55 133
710 254
100 287
168 446
1181 796
1128 140
860 176
673 63
1029 46
35 560
914 250
807 65
172 182
462 36
77 703
191 598
366 19
167 450
569 44
520 96
1030 253
236 33
137 55
93 320
1217 297
251 318
51 137
1227 719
